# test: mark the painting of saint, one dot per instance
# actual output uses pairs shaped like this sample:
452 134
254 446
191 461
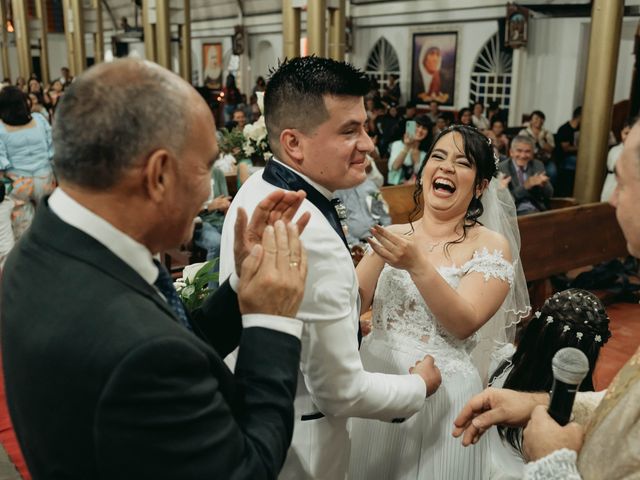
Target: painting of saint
434 67
212 61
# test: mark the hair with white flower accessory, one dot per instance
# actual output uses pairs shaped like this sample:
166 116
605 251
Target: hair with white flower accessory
571 318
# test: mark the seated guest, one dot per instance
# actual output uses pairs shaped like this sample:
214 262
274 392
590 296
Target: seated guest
387 128
208 236
494 111
406 155
410 111
464 117
123 383
610 181
240 119
434 111
36 104
365 208
478 119
529 184
571 318
567 149
544 142
498 138
440 124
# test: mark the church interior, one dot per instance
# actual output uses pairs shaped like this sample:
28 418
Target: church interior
551 84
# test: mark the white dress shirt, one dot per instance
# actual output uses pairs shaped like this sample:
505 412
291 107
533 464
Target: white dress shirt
138 256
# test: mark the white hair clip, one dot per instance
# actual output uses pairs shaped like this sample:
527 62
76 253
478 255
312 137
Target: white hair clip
566 328
537 314
579 335
598 338
549 319
496 160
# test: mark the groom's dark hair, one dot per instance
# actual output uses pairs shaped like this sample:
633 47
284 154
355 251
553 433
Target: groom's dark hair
294 95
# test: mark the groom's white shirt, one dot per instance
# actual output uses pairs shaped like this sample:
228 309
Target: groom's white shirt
332 379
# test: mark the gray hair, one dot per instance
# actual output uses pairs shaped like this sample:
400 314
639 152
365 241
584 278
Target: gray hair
523 139
113 116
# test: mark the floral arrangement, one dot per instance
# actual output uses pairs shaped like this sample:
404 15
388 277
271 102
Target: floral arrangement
256 145
251 142
193 287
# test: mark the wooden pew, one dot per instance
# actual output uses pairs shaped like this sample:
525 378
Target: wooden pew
558 241
400 201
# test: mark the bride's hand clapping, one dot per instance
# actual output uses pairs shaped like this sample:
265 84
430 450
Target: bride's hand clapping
399 251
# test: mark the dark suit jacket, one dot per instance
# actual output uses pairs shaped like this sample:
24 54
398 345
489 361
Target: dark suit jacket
538 196
103 382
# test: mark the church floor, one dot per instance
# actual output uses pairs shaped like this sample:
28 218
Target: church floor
625 339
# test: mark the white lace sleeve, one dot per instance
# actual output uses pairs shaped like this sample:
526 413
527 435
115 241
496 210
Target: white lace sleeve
491 265
559 465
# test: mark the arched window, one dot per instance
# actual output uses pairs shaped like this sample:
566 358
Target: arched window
383 62
491 76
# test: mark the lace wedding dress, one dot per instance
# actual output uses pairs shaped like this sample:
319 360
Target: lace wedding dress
404 331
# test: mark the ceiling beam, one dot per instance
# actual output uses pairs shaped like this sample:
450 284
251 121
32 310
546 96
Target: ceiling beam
111 16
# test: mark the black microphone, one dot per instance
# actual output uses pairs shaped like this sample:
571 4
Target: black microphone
569 366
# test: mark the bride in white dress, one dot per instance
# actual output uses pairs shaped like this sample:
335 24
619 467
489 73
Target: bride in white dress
433 285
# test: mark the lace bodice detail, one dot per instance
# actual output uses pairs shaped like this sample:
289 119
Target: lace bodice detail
398 306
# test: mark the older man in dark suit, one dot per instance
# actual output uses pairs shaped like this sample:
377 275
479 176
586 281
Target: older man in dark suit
526 177
107 376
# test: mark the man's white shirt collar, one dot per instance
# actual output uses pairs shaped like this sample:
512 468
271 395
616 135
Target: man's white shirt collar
133 253
324 191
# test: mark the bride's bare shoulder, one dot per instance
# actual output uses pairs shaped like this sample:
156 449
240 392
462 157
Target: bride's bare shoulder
485 238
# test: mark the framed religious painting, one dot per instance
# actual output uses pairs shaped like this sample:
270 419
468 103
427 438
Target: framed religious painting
212 65
433 67
517 26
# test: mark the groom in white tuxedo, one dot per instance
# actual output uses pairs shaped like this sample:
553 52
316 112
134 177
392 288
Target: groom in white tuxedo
315 117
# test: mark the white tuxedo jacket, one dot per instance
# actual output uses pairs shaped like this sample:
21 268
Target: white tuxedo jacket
332 380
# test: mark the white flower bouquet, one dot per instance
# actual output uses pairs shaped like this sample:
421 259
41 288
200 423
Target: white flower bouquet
256 145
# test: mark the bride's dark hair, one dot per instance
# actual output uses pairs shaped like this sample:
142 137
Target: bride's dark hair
571 318
478 150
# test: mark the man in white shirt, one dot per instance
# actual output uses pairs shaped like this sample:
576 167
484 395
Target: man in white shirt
122 381
315 116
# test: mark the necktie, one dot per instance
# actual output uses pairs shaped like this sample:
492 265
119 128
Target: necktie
521 175
164 283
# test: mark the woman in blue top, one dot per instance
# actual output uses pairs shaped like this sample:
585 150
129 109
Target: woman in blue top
25 154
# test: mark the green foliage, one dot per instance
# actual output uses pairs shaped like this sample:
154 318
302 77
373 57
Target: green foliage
195 291
232 142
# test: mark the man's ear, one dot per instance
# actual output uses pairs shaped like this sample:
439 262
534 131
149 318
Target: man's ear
158 174
291 144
